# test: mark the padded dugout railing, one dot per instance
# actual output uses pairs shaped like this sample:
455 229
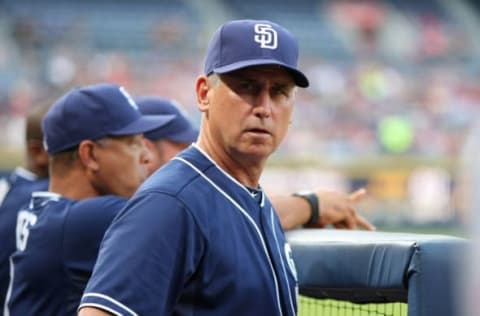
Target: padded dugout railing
377 267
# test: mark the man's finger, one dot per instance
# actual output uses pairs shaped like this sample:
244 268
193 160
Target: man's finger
340 225
362 222
358 194
350 222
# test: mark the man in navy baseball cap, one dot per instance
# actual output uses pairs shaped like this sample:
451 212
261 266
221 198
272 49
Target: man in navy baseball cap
206 205
93 112
97 159
179 129
167 141
244 43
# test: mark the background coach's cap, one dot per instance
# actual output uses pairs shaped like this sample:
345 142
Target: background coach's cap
93 112
180 129
243 43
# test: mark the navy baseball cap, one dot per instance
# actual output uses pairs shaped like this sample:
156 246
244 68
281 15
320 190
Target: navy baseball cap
244 43
180 129
93 112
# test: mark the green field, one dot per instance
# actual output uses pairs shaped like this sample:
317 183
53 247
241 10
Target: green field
314 307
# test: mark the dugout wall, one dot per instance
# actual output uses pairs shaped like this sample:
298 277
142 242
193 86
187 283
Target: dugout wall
378 267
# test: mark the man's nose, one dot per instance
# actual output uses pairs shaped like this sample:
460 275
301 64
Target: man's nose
263 104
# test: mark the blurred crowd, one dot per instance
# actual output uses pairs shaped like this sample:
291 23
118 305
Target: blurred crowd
401 81
388 79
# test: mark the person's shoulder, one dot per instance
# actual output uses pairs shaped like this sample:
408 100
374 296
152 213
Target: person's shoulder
100 202
92 214
40 184
22 175
107 206
17 192
23 182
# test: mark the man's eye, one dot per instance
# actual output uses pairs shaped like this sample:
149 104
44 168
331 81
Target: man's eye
280 90
136 143
247 86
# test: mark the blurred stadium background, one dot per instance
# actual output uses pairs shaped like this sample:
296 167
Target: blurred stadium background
394 91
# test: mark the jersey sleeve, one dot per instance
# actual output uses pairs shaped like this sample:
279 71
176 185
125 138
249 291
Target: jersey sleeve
151 250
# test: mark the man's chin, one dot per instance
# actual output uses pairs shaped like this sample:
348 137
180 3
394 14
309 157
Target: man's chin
257 151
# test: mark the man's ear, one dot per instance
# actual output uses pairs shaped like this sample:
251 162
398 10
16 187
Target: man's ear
88 156
202 89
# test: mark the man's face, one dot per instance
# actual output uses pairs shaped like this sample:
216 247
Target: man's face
37 158
250 109
122 164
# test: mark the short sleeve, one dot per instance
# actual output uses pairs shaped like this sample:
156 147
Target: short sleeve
149 252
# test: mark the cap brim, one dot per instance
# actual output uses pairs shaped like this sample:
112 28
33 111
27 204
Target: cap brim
298 77
144 124
188 135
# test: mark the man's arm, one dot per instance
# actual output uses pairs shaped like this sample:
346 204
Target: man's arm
174 244
336 209
90 311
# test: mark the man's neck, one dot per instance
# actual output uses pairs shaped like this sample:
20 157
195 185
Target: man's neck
245 170
74 185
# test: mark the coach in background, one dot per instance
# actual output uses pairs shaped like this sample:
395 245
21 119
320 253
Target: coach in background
97 159
15 190
200 236
166 142
317 208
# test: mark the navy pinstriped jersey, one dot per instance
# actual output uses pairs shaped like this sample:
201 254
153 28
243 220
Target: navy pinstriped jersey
194 241
57 245
15 192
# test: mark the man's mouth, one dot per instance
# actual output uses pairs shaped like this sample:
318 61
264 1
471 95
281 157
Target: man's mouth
258 131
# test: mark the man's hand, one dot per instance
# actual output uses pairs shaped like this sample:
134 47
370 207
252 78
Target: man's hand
339 210
336 209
